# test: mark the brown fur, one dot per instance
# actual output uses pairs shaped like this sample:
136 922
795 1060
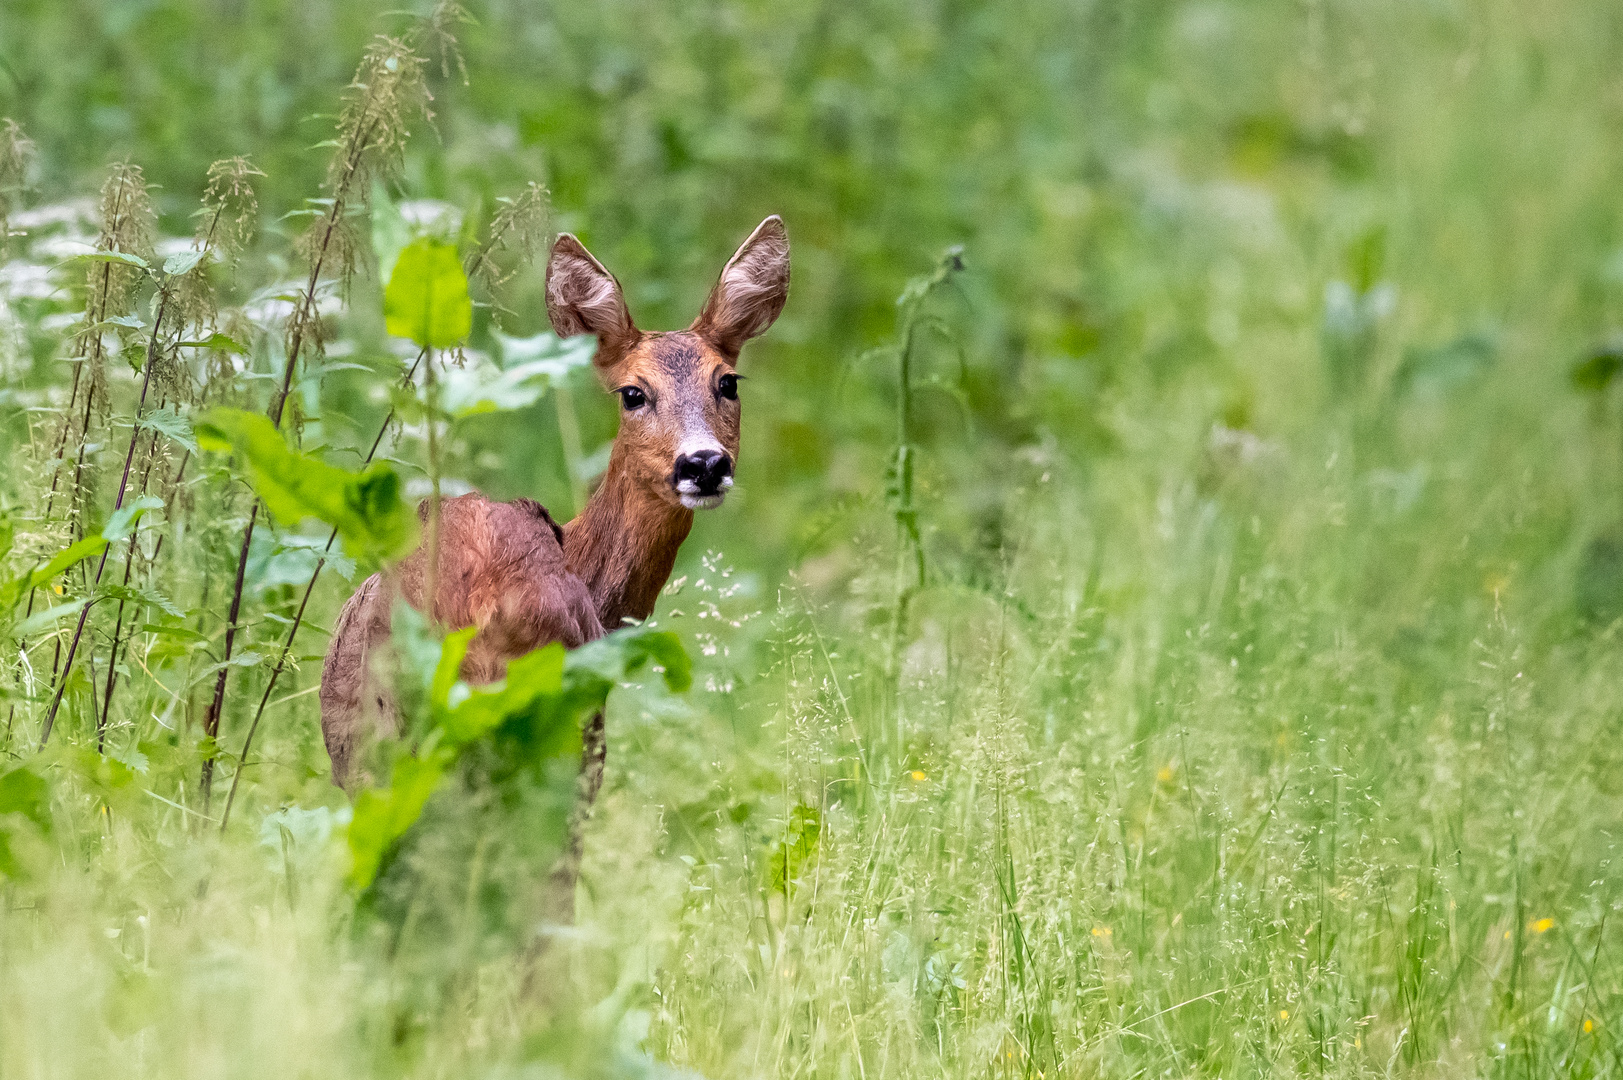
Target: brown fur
508 568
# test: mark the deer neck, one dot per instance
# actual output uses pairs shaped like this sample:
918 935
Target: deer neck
623 545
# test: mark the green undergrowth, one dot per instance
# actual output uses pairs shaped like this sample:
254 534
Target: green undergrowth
1167 623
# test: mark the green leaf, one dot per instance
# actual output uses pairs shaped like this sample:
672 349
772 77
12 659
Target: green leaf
1596 372
449 668
144 597
118 257
72 555
217 342
21 792
796 850
365 507
427 297
41 619
617 656
382 817
122 523
171 422
182 262
1448 364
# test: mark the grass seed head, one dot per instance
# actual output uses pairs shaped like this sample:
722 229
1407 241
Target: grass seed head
387 94
127 225
437 32
519 227
230 210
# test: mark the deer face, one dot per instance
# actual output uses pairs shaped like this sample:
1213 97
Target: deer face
678 392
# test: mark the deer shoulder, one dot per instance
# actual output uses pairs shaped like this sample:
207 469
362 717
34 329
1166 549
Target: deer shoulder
502 569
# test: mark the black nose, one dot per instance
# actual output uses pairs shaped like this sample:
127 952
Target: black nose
707 469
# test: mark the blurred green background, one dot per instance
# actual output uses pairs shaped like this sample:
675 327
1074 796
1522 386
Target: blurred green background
1260 714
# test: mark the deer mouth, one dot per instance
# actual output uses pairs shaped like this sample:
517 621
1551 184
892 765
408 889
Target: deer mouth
696 497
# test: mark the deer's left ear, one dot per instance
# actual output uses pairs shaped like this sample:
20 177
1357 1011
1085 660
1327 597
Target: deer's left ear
753 286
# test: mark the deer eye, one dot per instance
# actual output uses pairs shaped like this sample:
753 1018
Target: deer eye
727 387
632 397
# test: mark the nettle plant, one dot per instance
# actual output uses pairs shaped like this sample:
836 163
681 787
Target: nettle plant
155 568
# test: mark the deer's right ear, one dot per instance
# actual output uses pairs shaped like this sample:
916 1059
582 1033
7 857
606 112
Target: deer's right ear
584 298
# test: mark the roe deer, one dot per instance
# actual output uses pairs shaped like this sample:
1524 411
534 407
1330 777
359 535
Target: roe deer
524 581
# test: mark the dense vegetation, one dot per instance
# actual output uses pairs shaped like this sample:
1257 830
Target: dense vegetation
1167 624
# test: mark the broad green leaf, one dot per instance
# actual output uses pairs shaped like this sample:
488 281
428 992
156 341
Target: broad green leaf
171 422
69 556
620 654
42 619
21 792
1448 364
382 816
365 507
448 670
218 343
144 597
563 354
182 262
118 257
122 523
531 718
1596 372
427 297
796 850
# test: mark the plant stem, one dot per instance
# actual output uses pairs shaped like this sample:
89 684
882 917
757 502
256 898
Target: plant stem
432 568
118 504
910 551
129 565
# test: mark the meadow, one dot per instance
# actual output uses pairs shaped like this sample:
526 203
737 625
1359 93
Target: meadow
1168 622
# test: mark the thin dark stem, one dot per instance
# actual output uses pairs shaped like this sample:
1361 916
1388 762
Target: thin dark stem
129 565
356 150
118 504
211 719
432 572
298 619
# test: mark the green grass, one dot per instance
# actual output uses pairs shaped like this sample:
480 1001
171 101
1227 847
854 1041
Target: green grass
1259 711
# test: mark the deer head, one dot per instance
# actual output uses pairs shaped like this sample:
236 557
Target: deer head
679 408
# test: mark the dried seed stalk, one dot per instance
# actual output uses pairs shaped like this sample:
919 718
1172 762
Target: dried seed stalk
170 289
227 219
